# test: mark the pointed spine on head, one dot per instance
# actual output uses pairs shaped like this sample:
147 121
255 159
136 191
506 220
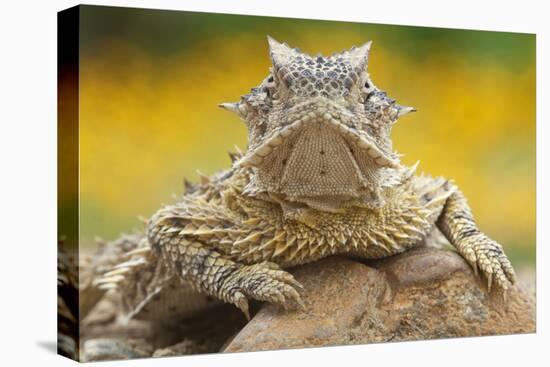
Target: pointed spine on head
404 110
280 54
238 108
359 57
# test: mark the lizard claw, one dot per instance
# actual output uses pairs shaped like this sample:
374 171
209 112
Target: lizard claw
264 282
239 300
471 258
489 281
487 255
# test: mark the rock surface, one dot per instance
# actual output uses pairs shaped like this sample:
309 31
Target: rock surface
105 338
422 294
183 348
105 349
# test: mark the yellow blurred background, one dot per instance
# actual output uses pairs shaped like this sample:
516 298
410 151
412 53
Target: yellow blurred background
150 83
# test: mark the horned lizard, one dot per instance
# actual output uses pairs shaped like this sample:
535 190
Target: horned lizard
319 178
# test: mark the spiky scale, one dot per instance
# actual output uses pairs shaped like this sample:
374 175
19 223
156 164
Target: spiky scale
252 238
280 248
324 181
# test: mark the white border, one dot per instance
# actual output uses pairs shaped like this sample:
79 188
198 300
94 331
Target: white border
28 180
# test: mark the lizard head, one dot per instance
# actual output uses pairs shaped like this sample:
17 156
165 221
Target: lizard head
318 129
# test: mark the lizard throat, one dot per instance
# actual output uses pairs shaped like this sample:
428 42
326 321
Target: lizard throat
320 163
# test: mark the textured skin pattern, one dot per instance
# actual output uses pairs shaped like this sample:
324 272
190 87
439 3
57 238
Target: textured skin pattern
319 178
67 302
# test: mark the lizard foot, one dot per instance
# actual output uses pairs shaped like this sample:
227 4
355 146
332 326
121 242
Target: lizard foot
263 282
487 255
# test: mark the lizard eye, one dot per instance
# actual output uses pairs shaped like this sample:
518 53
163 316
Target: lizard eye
368 90
269 87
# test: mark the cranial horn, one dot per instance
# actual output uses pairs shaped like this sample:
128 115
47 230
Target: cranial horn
232 107
359 56
280 52
237 108
403 110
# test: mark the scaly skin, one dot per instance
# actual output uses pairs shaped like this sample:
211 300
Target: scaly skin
319 178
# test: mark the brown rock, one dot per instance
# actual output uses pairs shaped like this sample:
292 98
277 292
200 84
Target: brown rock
101 324
105 349
183 348
422 294
105 338
342 299
205 332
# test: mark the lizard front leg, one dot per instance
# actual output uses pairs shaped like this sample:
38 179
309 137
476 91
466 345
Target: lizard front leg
457 224
183 243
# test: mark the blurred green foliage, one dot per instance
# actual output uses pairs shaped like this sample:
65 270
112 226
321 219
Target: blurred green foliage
165 32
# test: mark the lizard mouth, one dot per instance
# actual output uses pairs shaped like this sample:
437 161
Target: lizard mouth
319 119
